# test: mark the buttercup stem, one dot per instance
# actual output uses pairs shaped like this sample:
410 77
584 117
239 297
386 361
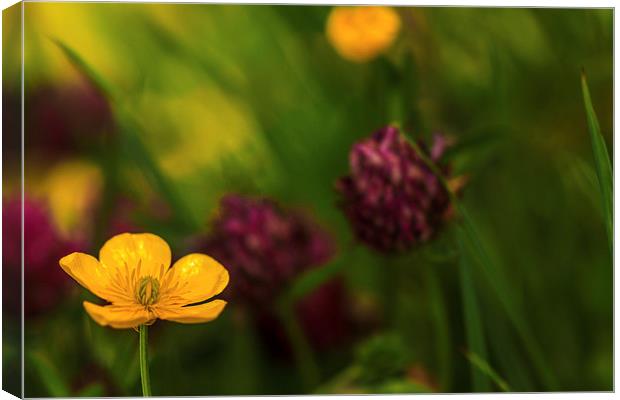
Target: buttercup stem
144 361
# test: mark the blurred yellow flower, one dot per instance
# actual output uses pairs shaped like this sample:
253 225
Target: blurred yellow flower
133 273
72 189
360 33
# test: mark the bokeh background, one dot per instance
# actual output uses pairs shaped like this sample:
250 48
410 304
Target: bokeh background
141 117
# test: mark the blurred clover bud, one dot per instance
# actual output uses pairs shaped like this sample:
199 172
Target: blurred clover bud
264 246
361 33
324 315
45 284
391 197
381 358
60 119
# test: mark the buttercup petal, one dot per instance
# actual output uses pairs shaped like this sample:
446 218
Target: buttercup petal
119 317
192 279
88 272
194 314
148 252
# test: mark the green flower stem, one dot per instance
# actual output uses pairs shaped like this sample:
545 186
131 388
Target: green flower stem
304 356
391 287
144 361
441 324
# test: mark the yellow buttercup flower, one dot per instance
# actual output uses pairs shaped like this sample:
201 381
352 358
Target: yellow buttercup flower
361 33
133 273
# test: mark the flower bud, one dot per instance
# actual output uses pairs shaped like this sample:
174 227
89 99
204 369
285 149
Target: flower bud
382 357
391 197
361 33
264 246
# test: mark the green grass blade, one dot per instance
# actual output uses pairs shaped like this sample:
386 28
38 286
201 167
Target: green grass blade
49 374
221 71
137 151
442 328
504 292
486 369
601 160
303 353
472 319
82 66
92 390
513 364
133 145
496 279
311 280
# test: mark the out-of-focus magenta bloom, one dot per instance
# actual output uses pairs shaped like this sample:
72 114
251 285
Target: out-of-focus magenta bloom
61 118
264 246
391 197
323 316
45 283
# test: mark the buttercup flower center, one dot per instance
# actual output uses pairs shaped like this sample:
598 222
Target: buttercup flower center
147 290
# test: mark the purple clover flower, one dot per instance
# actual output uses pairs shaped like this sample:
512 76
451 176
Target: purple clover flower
264 247
45 282
392 199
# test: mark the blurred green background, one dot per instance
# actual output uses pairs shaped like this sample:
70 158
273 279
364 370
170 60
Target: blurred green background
212 99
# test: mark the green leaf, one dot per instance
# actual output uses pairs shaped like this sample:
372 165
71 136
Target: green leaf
485 368
473 321
601 160
49 374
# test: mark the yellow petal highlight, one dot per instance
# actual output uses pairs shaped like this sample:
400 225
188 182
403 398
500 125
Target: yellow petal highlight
144 251
88 272
192 279
194 314
119 317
